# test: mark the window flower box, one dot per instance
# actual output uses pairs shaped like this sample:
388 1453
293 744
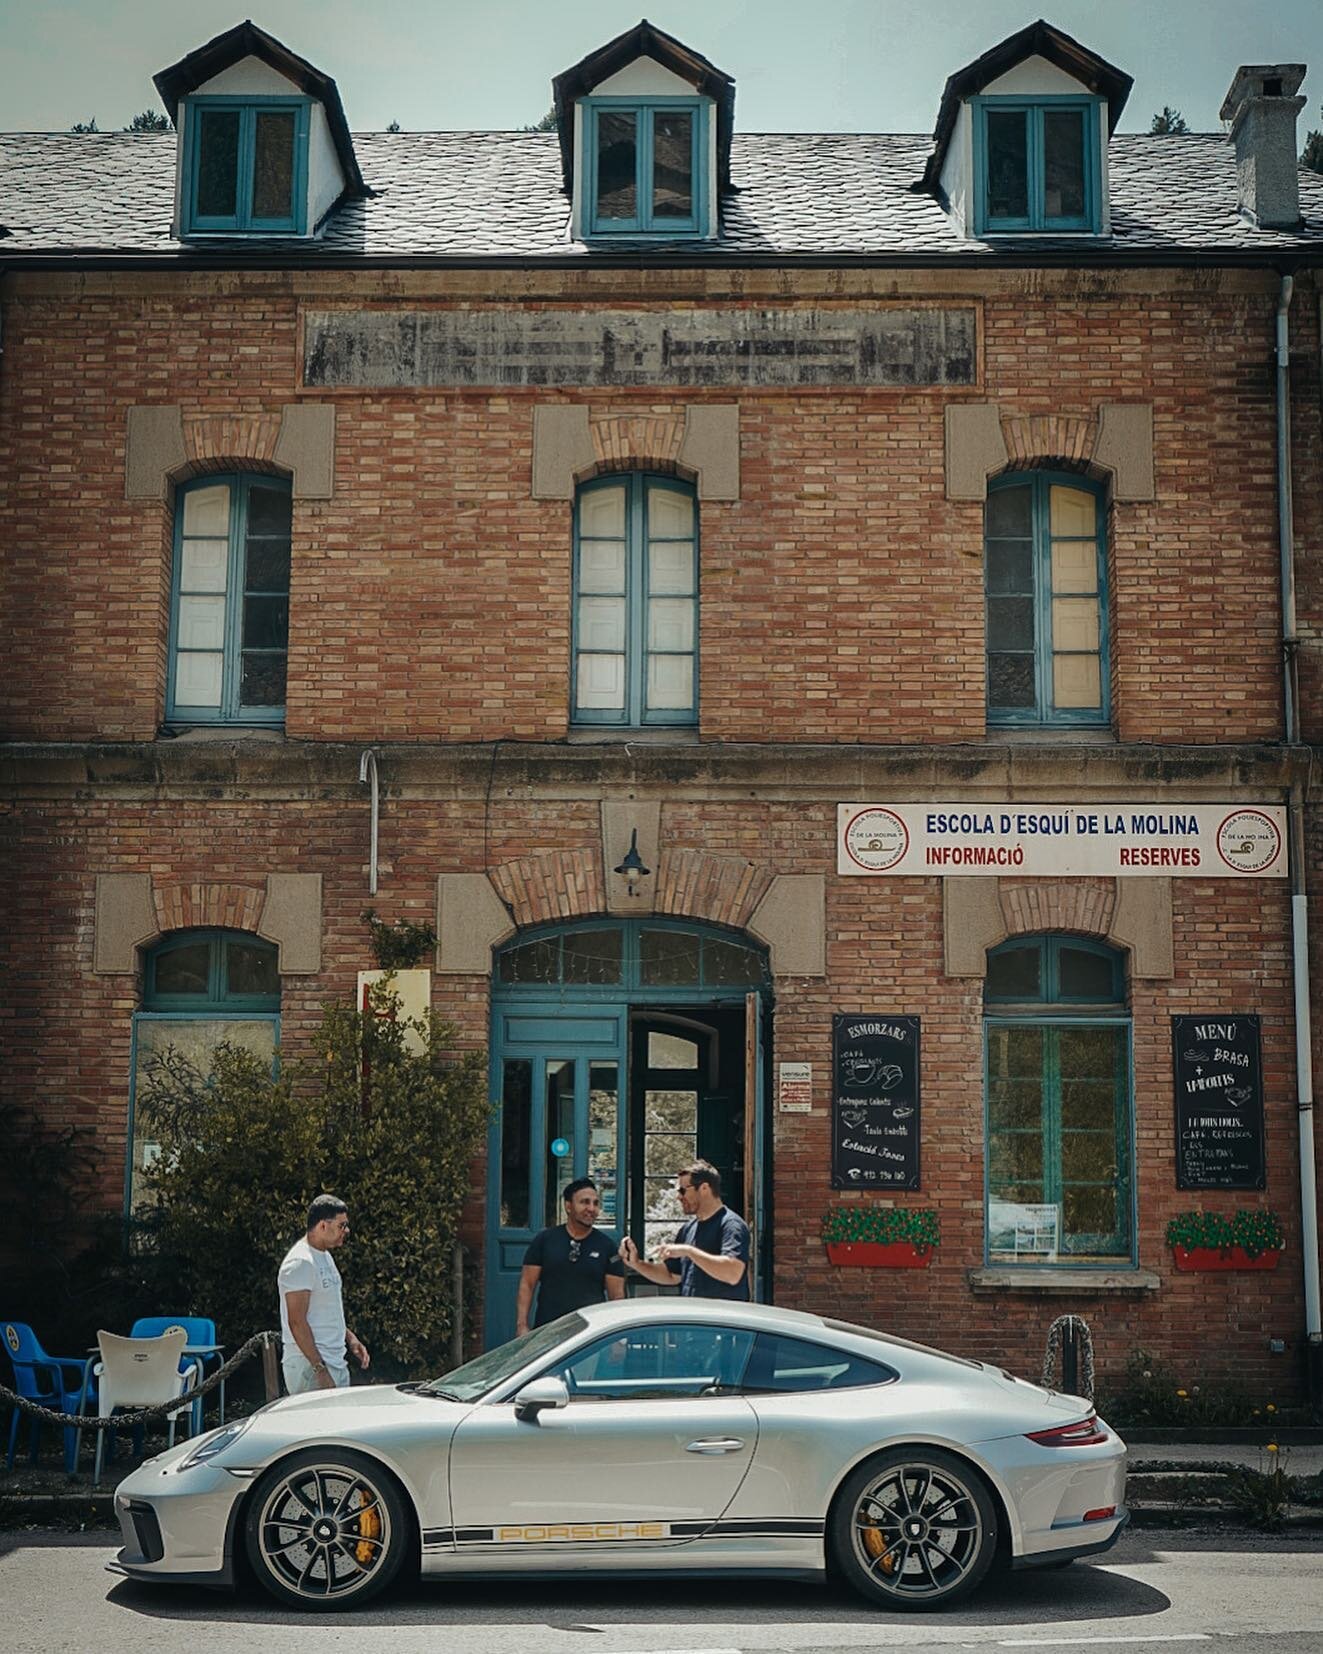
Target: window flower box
878 1255
1209 1242
1209 1259
880 1237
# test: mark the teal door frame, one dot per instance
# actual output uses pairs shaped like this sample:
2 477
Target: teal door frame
588 1024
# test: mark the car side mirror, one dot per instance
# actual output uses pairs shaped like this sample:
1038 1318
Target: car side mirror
540 1394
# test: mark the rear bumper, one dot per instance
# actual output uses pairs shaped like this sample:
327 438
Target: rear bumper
1072 1553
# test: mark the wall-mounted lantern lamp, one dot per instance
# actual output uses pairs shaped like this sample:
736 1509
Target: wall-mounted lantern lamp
632 867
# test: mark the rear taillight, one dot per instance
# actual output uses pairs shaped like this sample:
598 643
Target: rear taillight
1084 1433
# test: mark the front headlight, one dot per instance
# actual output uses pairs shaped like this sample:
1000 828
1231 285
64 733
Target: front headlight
213 1444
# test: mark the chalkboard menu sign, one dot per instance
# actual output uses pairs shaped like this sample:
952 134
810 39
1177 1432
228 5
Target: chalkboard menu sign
1219 1102
875 1103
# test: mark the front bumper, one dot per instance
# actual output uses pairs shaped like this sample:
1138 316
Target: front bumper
178 1525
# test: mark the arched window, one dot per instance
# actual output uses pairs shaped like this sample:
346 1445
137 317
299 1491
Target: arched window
635 602
1058 1094
1045 572
201 988
229 617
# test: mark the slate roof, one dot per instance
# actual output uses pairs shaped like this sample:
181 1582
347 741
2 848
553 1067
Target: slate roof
496 196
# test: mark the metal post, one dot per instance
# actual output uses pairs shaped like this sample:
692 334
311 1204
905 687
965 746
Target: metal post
457 1305
1070 1358
270 1370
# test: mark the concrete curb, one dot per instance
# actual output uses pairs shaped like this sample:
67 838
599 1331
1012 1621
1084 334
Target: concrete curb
33 1510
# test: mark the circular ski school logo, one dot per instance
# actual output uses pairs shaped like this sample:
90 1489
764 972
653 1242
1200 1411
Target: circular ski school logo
1249 841
876 840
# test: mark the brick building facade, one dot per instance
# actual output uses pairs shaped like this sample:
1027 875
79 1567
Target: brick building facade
883 413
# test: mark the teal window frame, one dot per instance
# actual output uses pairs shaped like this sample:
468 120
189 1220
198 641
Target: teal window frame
630 981
230 709
1120 1248
635 713
217 997
215 1004
1037 220
1044 712
643 223
242 221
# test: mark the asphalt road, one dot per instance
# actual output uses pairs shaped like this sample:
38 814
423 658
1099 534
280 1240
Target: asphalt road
1230 1593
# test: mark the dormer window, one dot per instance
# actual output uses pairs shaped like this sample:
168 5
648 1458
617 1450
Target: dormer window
264 146
1020 146
647 176
1036 165
246 165
644 126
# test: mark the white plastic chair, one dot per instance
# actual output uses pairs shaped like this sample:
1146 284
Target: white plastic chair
140 1372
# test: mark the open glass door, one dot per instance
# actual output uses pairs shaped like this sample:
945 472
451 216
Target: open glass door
557 1085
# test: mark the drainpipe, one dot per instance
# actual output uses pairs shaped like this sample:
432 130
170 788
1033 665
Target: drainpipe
1299 900
367 771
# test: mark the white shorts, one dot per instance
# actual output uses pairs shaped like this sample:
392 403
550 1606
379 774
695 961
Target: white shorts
299 1375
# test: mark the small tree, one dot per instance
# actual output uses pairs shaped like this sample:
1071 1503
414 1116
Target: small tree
548 123
1168 120
393 127
150 120
85 126
1312 157
243 1151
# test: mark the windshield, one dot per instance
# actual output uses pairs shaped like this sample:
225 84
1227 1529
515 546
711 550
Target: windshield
476 1377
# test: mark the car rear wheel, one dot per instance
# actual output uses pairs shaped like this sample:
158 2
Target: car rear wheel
914 1528
326 1529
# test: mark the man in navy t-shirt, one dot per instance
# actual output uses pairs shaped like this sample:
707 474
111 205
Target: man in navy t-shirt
710 1253
569 1266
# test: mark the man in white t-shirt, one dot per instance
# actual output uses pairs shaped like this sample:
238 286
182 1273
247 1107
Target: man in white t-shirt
312 1313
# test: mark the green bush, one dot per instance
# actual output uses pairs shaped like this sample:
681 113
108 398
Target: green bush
393 1132
883 1225
1150 1394
1255 1230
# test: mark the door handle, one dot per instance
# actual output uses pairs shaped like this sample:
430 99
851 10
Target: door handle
715 1444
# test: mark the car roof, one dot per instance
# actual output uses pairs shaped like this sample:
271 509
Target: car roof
877 1345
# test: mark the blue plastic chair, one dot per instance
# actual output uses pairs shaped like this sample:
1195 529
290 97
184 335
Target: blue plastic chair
40 1377
201 1338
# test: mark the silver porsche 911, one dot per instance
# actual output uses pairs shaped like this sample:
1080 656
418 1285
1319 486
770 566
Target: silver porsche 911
655 1434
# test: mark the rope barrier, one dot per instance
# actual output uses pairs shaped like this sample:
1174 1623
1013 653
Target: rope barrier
140 1415
1078 1328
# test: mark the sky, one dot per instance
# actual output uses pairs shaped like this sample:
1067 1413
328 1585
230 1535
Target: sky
799 65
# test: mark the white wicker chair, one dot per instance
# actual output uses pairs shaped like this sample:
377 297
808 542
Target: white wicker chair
140 1372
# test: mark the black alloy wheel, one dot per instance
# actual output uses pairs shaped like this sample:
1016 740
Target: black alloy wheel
914 1529
326 1529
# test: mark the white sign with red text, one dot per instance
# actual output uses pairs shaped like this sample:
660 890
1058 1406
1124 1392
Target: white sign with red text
1205 841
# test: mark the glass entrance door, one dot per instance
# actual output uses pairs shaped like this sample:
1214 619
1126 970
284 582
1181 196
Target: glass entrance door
557 1081
619 1052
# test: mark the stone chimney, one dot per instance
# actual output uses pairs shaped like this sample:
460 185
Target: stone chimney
1262 106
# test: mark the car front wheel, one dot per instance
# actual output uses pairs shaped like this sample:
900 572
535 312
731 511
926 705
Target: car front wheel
326 1529
914 1529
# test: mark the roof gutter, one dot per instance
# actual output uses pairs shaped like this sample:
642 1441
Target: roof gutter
1179 258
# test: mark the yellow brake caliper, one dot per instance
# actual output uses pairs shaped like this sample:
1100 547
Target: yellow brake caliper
369 1527
876 1543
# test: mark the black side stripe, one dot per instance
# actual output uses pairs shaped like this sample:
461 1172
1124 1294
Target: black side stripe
777 1527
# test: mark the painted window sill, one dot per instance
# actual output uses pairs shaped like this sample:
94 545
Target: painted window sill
656 735
1050 1279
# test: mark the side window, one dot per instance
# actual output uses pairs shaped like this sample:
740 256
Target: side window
246 166
201 989
658 1362
783 1366
635 602
1038 165
1044 573
1060 1106
229 631
646 172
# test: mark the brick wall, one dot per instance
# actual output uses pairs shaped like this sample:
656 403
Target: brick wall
841 594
